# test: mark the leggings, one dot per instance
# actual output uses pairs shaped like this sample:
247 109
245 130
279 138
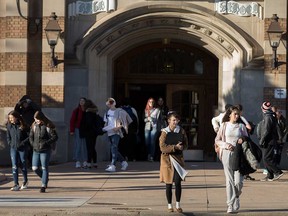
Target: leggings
178 188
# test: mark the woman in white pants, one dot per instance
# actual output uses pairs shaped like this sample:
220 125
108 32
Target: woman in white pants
228 136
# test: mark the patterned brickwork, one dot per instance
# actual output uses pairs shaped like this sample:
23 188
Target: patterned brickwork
2 62
281 64
2 27
46 62
16 27
15 61
11 94
53 96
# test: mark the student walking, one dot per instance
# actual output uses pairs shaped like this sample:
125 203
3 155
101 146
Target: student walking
269 134
116 123
42 136
227 138
18 140
172 142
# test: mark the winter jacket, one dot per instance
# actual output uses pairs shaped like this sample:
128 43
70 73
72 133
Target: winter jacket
41 137
75 120
166 168
248 155
17 138
268 131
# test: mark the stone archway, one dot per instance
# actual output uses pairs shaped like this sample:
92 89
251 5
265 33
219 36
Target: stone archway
141 23
190 24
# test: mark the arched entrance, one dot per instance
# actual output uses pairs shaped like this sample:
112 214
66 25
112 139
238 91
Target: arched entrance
186 76
141 25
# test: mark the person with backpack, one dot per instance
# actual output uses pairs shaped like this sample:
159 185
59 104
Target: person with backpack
116 123
42 136
128 144
18 139
268 133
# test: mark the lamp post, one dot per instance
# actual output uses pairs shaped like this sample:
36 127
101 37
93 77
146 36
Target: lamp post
274 34
52 31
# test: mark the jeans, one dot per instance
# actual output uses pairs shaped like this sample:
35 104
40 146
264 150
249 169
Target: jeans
80 149
114 141
15 156
150 141
41 159
234 180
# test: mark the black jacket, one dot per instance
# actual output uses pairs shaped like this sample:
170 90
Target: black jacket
268 131
41 138
17 138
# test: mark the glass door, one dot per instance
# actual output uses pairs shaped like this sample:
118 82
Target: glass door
185 100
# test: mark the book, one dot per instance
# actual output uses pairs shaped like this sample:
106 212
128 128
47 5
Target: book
173 138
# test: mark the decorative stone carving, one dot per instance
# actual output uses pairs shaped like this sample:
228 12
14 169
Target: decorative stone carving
239 9
91 7
160 22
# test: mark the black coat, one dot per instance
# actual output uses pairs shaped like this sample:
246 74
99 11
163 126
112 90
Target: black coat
41 138
268 130
241 163
17 138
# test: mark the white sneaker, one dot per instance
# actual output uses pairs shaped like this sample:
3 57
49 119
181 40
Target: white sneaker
15 188
236 204
24 186
124 165
85 165
111 168
230 209
78 164
89 165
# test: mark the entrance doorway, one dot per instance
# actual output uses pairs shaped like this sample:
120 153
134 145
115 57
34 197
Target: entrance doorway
185 76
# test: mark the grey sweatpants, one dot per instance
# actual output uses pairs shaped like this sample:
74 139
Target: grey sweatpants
234 180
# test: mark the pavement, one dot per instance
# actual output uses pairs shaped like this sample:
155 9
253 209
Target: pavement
137 191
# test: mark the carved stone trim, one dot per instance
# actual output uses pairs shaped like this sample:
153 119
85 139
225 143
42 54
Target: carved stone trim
239 9
162 23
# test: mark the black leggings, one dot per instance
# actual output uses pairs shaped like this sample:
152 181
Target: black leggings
178 188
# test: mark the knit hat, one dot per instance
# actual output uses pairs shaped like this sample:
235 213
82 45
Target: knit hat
266 106
111 101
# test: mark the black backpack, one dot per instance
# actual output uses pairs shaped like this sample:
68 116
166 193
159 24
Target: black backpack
133 126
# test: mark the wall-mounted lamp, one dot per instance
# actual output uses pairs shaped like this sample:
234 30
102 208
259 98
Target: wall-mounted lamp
52 31
274 34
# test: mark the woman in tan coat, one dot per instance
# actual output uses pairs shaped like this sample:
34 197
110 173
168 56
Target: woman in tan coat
172 141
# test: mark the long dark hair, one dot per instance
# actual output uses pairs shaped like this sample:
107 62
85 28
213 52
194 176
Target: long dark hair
19 118
40 116
226 117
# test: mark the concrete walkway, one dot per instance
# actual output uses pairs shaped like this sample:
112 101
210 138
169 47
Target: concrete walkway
137 191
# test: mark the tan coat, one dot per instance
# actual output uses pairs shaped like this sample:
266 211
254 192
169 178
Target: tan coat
166 168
